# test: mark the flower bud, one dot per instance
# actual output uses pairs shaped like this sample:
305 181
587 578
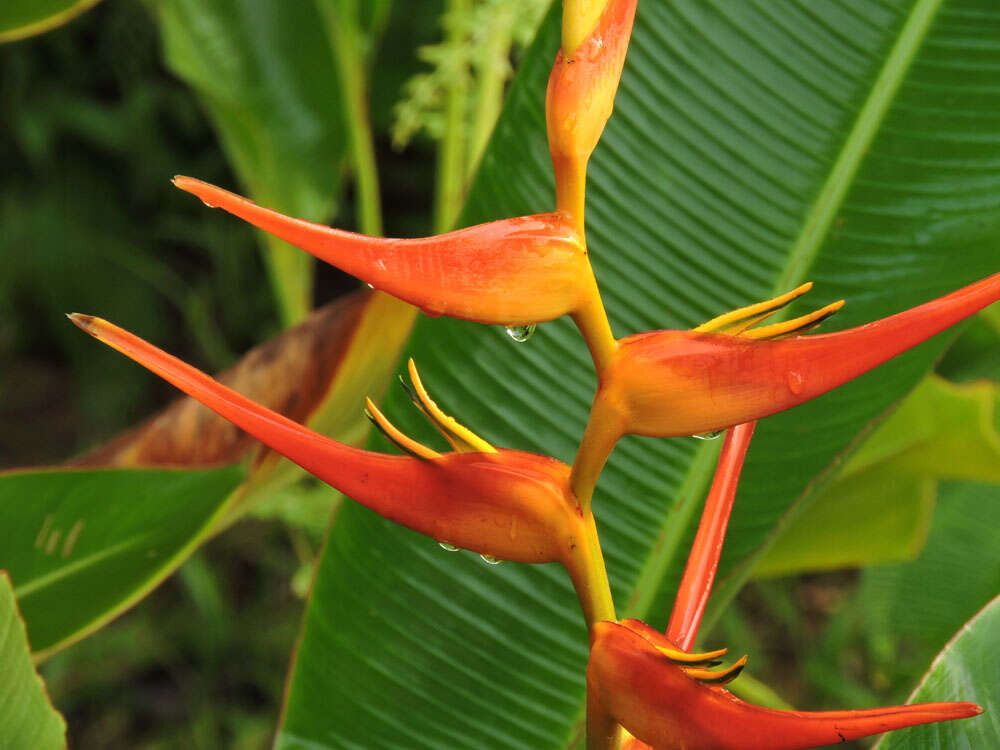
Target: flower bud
581 92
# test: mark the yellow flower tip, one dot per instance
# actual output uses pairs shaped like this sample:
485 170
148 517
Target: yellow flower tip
395 435
720 677
794 326
460 437
737 321
683 657
579 19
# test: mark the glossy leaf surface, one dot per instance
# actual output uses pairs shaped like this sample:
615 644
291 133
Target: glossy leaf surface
27 718
83 546
967 666
24 18
754 146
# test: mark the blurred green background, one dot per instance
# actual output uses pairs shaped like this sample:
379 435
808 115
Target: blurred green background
93 128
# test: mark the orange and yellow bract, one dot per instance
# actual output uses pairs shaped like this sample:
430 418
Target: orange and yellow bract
505 504
673 383
632 683
581 94
519 271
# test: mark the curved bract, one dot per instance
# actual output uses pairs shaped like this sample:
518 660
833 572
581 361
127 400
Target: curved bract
520 271
506 504
673 383
685 383
662 705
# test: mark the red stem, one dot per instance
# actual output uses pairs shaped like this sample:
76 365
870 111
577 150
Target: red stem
696 585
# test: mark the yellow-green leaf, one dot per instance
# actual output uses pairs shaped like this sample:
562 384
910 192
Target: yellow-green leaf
24 18
879 508
27 718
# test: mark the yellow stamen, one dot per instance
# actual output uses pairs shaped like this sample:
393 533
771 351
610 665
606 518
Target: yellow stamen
739 320
795 325
392 432
717 678
461 438
682 657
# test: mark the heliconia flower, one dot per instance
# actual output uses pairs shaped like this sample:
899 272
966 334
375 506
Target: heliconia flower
725 372
635 679
511 272
581 90
503 504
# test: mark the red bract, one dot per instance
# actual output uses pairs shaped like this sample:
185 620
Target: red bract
631 681
669 383
512 272
703 561
505 504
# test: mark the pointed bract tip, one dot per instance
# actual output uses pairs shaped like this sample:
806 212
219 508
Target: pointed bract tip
86 322
970 709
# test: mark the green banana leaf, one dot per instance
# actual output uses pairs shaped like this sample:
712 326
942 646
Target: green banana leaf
975 355
964 671
754 146
27 718
82 546
24 18
127 514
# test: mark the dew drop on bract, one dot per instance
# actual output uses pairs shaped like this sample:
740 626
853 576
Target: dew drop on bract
794 382
448 547
520 334
710 435
370 286
490 560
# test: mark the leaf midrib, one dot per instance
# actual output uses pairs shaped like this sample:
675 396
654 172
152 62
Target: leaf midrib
815 228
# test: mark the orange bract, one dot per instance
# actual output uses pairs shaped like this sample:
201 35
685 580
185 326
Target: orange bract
672 383
506 504
662 705
511 272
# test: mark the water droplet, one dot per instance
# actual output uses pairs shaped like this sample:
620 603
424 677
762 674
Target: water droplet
490 560
794 382
710 435
448 547
208 203
520 334
370 286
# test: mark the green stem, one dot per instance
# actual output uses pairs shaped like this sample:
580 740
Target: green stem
590 576
345 35
451 170
290 270
492 71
